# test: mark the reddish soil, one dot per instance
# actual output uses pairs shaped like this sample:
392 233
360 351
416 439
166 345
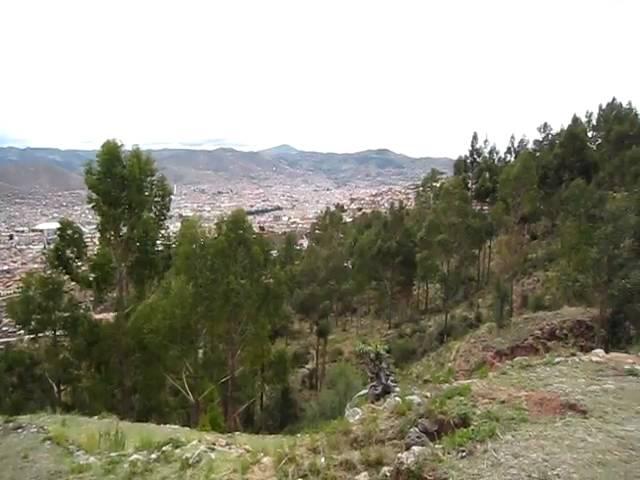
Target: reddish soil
538 403
546 404
578 333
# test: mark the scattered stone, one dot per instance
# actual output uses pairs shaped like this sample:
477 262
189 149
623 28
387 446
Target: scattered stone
427 426
198 456
391 402
136 458
415 438
362 476
462 453
408 459
167 448
415 400
386 472
353 414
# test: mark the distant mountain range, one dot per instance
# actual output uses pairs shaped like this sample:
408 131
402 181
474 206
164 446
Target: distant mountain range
51 169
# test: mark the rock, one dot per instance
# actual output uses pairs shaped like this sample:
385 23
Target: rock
264 469
386 472
415 438
353 414
406 460
199 455
415 400
362 476
598 352
597 359
135 459
558 360
427 426
391 402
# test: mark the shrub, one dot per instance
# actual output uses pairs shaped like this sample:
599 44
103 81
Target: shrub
501 295
462 390
342 383
403 350
536 303
376 456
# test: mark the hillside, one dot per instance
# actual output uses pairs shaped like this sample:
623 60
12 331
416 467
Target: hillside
58 170
560 414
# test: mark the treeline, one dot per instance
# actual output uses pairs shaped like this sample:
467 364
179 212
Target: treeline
202 324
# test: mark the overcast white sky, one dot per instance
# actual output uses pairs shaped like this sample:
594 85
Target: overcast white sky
413 76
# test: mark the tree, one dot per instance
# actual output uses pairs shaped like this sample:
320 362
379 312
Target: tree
69 252
132 201
446 236
245 300
596 246
45 309
384 253
616 134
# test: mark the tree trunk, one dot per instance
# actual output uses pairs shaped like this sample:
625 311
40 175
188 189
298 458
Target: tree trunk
479 269
488 271
603 320
195 413
389 300
325 341
426 299
230 418
511 288
262 382
317 363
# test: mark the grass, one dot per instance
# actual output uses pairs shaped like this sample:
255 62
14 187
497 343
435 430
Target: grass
605 444
102 437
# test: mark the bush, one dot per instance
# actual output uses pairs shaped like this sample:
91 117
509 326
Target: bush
342 383
281 410
536 303
403 350
501 296
23 384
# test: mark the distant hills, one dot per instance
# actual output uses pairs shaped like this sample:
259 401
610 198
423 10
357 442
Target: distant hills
51 169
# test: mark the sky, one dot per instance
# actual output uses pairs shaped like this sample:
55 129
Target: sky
417 77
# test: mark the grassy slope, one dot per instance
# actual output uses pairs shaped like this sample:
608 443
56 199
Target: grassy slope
521 442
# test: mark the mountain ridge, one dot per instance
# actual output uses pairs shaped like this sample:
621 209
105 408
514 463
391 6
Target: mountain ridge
54 169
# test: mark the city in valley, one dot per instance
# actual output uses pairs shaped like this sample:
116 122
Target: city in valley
28 219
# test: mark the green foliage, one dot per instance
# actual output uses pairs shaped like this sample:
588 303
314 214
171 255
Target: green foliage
632 372
462 390
23 382
537 302
132 203
501 303
69 251
342 383
481 431
403 350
